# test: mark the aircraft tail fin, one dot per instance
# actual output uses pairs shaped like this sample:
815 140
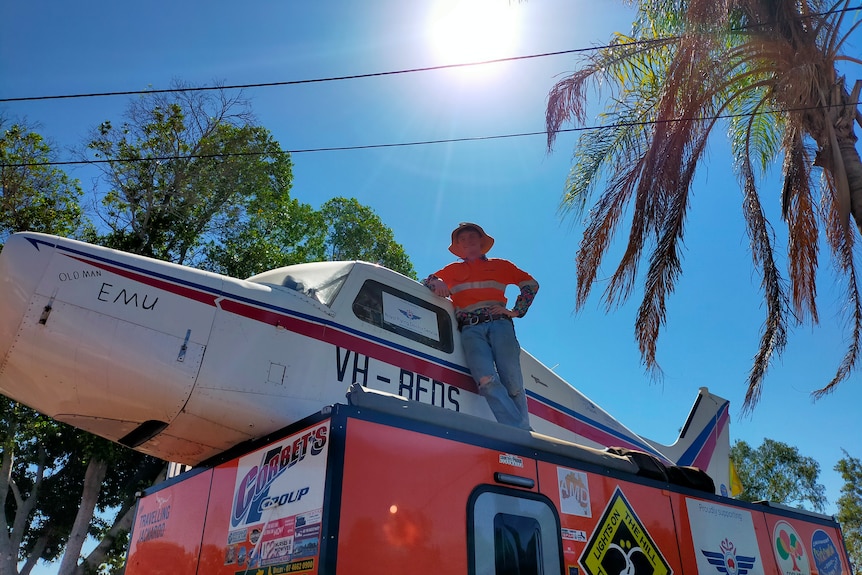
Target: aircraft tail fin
704 441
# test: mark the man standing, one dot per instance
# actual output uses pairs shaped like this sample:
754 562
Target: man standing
477 286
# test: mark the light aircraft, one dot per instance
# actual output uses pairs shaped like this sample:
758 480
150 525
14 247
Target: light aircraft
183 364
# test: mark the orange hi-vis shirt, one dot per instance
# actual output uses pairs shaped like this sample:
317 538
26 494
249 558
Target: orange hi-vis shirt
481 283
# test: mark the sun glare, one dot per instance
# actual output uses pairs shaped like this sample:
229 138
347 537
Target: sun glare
465 31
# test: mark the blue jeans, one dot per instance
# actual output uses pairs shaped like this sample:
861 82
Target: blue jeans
492 351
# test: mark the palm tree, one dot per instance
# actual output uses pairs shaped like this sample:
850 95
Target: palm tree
768 67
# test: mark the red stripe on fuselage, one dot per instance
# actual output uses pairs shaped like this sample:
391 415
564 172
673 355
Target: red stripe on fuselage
356 344
578 427
167 286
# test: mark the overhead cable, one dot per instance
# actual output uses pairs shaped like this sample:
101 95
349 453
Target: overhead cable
375 74
417 143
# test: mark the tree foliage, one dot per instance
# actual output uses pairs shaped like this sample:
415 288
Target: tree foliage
45 463
34 195
850 506
180 169
778 473
273 230
276 230
771 67
354 231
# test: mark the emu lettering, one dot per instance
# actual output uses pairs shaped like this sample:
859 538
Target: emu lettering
108 294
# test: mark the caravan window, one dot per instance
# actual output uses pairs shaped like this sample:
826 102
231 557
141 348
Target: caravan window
512 533
517 544
404 314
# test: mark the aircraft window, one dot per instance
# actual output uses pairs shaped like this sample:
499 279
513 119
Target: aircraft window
512 533
404 314
320 280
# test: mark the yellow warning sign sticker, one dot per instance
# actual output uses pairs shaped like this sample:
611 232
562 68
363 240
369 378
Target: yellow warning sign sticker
621 544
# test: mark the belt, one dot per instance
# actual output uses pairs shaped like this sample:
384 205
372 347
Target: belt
475 318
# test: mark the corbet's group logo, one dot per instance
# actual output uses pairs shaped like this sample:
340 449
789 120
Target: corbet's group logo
622 545
727 562
252 492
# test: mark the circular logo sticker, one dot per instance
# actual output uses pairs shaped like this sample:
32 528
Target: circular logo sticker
826 556
789 550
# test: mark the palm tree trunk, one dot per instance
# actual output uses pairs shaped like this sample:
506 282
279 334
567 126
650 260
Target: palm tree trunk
853 167
847 144
837 152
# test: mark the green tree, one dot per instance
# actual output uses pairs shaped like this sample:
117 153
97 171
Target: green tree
180 168
53 480
777 472
34 196
850 506
356 232
271 231
275 230
771 66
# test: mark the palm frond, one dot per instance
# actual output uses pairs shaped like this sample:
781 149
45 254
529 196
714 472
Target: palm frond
666 261
771 65
599 153
774 335
624 61
842 247
798 208
751 128
565 101
600 231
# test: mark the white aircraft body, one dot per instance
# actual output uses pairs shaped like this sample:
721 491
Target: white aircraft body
184 364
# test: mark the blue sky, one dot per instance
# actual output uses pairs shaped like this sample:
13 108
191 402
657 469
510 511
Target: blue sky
511 186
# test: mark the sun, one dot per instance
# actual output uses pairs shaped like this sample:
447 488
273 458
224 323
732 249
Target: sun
464 31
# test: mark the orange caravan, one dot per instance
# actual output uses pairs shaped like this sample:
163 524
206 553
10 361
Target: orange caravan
380 485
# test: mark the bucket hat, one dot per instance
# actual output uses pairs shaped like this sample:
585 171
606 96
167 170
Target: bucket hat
487 241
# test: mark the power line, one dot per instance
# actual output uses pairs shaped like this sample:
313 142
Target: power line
418 143
295 82
378 74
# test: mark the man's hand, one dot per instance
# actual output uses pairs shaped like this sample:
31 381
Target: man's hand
497 309
439 287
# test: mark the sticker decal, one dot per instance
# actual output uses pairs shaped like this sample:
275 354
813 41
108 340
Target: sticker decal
825 554
789 550
509 459
275 518
723 538
727 562
573 535
574 492
622 545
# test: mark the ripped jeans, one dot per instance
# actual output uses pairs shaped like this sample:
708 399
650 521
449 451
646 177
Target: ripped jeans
494 355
